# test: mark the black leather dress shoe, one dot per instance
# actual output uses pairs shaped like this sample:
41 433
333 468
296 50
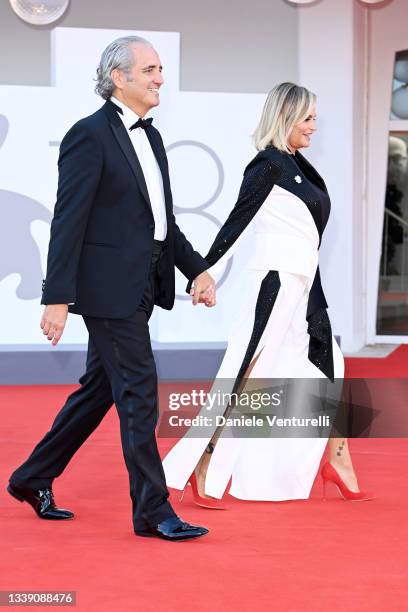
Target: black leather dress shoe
42 500
173 529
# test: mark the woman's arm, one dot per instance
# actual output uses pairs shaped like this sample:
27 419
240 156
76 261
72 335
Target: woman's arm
259 178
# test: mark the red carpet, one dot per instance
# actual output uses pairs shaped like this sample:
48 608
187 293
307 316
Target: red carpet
292 556
393 366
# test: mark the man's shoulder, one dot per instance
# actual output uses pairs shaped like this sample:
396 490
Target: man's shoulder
86 129
91 122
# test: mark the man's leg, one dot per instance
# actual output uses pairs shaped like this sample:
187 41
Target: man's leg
125 350
80 416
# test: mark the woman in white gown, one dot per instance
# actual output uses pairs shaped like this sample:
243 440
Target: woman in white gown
282 330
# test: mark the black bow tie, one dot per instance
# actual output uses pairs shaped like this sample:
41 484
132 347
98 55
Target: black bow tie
141 123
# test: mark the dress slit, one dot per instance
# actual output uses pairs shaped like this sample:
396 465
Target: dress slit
267 295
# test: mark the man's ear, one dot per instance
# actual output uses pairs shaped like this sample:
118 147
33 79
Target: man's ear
117 78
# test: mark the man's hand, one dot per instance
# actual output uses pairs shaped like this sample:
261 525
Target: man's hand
203 290
53 321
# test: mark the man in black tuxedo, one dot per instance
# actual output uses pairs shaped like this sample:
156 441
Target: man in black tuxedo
113 247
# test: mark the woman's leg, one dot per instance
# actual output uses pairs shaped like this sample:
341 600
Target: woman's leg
340 458
338 449
204 462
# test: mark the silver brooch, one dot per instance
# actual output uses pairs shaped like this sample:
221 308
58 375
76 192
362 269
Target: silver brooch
298 178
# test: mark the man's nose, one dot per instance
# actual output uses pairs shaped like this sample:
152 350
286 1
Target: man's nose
159 80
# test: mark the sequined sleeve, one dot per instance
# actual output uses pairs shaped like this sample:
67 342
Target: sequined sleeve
259 178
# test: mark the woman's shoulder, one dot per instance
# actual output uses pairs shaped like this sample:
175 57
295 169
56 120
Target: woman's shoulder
271 159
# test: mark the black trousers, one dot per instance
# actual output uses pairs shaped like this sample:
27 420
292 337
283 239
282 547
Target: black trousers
120 368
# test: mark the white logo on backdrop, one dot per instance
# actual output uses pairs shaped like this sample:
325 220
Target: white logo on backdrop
207 137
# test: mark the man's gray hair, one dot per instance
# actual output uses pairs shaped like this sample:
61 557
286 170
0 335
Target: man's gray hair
118 54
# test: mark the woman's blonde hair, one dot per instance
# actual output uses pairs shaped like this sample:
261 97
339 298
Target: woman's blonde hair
286 105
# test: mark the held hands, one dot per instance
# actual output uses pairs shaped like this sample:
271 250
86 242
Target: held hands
203 290
53 321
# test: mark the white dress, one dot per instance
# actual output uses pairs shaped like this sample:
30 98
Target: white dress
285 256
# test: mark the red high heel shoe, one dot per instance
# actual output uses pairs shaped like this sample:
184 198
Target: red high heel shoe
329 474
204 502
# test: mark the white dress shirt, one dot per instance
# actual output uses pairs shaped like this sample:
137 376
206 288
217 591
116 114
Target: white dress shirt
150 168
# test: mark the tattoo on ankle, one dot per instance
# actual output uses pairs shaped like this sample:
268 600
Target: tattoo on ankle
340 448
210 448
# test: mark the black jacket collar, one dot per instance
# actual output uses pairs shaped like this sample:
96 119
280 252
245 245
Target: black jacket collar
125 144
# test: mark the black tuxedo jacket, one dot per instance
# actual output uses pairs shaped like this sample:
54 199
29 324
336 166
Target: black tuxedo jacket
102 231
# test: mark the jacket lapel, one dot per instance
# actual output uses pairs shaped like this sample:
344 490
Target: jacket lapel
160 155
309 169
123 139
292 181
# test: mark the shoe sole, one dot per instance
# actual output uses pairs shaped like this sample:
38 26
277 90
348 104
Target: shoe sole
203 505
149 534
